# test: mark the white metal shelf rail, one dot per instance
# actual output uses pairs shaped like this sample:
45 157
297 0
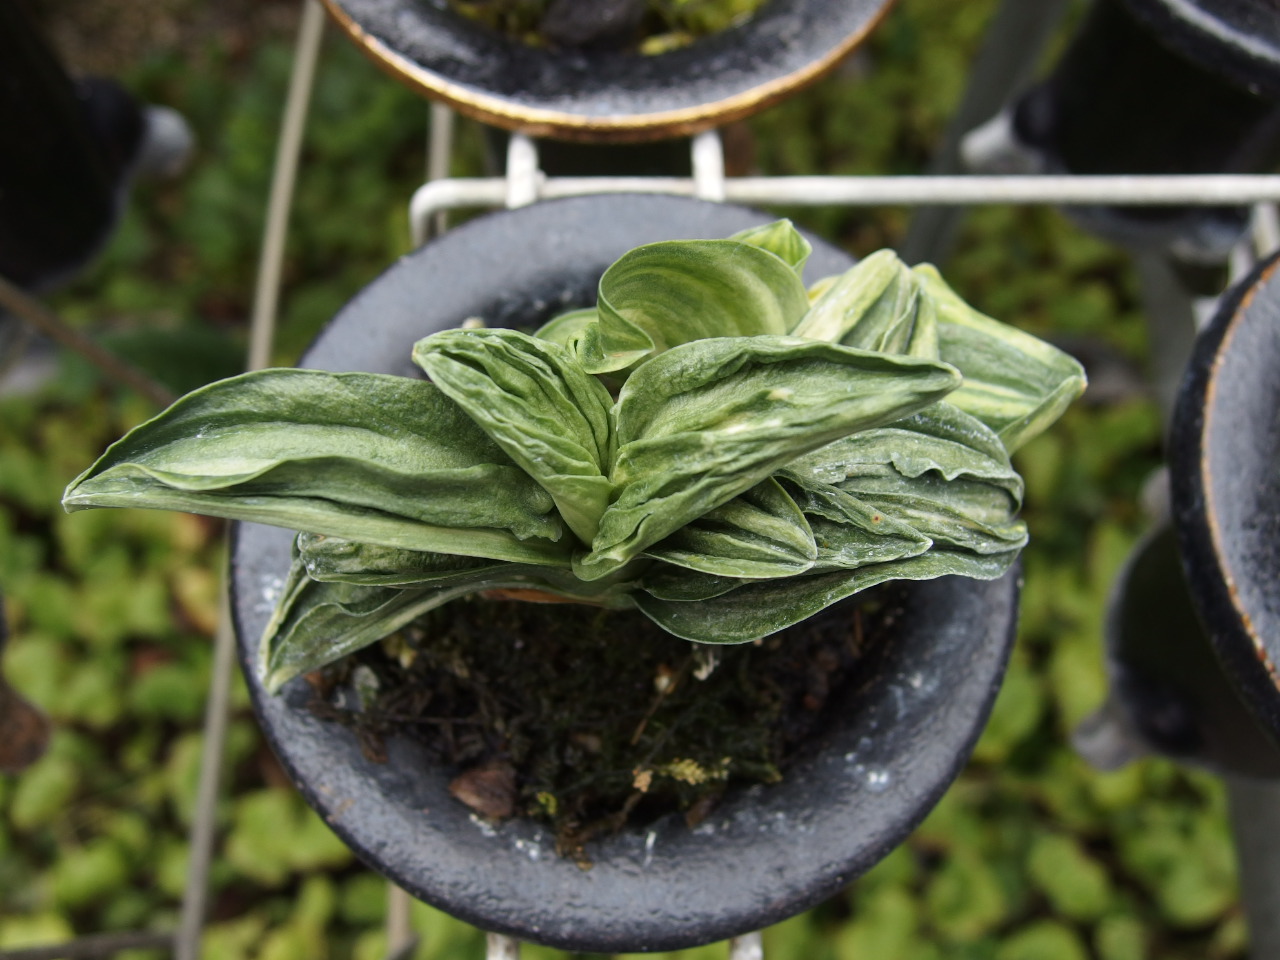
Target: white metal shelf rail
997 72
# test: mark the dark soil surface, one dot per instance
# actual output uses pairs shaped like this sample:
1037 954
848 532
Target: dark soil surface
587 718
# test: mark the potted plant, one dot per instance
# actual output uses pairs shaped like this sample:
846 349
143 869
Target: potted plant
602 95
725 549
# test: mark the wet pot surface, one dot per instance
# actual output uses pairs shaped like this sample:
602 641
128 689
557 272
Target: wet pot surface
1225 464
603 95
765 852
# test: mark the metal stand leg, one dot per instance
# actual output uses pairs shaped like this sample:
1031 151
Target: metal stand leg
266 299
1254 807
1010 50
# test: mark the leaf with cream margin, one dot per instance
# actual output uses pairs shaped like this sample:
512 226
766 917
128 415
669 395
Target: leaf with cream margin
664 294
758 534
371 457
1014 382
538 405
705 421
877 304
758 608
780 238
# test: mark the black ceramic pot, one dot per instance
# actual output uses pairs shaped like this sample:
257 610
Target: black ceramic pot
607 96
765 853
1225 466
1162 87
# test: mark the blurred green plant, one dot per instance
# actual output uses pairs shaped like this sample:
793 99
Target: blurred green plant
1156 834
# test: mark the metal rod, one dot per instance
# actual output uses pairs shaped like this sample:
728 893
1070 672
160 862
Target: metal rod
1200 189
1014 41
524 178
439 152
749 946
266 295
1254 810
707 152
31 311
500 947
91 948
400 937
262 334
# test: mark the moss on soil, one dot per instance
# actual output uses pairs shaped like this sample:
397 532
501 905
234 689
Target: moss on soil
587 719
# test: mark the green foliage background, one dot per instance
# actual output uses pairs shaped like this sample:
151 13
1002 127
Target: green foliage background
1031 856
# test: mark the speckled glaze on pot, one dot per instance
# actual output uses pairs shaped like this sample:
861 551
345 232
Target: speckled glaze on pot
766 852
1225 465
603 96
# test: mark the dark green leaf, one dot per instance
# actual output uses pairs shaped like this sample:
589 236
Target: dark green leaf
759 608
759 533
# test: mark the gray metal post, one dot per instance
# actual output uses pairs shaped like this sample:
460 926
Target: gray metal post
1011 49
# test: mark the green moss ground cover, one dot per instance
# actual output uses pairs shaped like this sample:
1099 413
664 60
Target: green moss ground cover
1031 856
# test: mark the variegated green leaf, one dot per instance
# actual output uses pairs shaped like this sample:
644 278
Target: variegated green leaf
531 397
961 514
780 238
759 608
849 533
382 459
759 533
323 622
665 294
567 328
877 304
332 559
703 422
1015 383
941 439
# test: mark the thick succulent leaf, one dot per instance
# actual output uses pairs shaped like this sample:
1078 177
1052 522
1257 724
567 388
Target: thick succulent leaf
333 559
567 328
531 397
760 533
706 421
368 457
877 304
941 439
1013 382
849 533
780 238
680 583
665 294
757 609
318 623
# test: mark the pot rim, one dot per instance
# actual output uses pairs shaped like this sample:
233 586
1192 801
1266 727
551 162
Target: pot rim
765 853
602 97
1224 447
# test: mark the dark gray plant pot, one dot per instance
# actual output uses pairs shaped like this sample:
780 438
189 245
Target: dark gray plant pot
1225 469
606 96
766 852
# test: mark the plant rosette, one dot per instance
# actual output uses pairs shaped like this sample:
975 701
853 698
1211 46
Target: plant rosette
713 444
604 96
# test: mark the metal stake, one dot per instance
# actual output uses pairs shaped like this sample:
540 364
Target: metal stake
262 333
1011 48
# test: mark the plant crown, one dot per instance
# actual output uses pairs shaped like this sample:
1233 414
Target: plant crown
711 444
